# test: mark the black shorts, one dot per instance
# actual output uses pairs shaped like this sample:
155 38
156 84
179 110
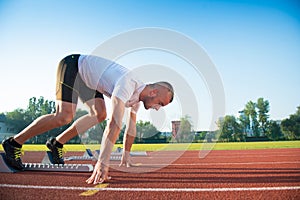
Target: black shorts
69 85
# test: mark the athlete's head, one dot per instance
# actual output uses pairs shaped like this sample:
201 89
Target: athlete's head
157 94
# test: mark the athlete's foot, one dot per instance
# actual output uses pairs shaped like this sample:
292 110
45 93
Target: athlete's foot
13 153
56 150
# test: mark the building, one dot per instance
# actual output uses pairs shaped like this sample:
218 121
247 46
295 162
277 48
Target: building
175 127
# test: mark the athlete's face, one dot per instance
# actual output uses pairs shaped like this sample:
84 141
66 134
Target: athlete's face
157 99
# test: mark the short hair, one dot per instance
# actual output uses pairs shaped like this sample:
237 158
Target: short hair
166 85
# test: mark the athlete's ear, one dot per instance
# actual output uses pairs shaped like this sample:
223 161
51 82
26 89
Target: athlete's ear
153 93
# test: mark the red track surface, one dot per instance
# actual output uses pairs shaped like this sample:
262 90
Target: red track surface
247 174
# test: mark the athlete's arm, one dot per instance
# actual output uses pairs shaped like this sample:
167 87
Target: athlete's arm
109 138
129 136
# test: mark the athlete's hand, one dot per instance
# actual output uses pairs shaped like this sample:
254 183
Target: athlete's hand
100 174
126 160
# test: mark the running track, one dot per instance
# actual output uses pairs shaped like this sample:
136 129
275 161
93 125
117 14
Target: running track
247 174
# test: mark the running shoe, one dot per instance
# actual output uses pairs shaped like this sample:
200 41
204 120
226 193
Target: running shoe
12 154
57 152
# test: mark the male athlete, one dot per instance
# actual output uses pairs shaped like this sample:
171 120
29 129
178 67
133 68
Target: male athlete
90 77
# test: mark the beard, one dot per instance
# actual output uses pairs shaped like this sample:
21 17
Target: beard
146 106
147 102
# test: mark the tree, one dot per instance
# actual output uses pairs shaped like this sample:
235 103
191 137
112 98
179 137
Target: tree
250 111
274 131
244 122
291 126
263 109
145 130
38 107
185 133
121 135
230 129
20 118
77 139
17 119
95 133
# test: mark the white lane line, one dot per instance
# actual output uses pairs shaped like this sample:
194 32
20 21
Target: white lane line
153 189
222 163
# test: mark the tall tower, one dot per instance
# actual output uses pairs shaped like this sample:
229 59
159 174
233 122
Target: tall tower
175 127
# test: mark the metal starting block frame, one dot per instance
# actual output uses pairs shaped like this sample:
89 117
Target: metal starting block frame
88 155
119 151
82 158
115 156
45 167
58 167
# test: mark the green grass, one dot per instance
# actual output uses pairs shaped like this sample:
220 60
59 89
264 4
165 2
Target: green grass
172 147
218 146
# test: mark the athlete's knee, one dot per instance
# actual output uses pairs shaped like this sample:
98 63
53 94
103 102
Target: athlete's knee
64 118
101 116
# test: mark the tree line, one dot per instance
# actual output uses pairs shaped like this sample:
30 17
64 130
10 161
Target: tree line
253 123
21 118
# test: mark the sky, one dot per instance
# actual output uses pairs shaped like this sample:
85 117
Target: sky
254 45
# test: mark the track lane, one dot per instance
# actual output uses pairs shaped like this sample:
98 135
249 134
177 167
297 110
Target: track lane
222 174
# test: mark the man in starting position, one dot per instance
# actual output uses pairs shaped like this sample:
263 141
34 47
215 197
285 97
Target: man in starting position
90 77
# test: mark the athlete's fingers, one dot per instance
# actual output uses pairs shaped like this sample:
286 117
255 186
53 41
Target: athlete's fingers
97 179
96 172
102 180
90 179
128 164
121 163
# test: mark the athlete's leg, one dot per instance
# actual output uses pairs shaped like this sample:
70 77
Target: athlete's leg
64 114
65 111
97 113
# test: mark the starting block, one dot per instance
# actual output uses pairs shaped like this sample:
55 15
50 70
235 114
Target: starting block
115 156
88 155
58 168
45 167
3 166
119 151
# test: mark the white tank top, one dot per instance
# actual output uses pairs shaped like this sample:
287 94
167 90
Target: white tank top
110 79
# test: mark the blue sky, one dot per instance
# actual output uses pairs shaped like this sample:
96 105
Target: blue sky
255 45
